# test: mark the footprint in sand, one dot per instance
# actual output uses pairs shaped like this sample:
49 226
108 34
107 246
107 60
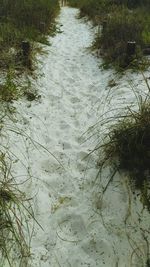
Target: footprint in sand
75 100
100 250
66 145
72 227
64 125
50 166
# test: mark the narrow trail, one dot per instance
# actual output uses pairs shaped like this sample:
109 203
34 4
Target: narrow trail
72 91
70 88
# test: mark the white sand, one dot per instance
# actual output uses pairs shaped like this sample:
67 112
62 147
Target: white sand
79 229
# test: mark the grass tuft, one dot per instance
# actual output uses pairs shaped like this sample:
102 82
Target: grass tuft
21 21
9 90
120 22
14 217
129 144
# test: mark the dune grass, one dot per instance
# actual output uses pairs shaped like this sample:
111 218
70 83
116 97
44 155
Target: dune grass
129 144
21 21
126 146
9 90
121 22
15 211
23 25
121 27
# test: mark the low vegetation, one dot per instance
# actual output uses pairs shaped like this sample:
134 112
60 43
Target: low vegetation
126 146
23 25
15 211
129 144
9 90
24 21
121 22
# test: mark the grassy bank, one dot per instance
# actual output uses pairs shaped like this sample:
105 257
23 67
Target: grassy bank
23 25
22 21
122 23
123 144
127 149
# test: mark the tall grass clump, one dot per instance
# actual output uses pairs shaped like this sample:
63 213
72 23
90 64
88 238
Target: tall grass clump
74 3
121 22
37 15
29 20
126 146
129 144
93 9
9 90
15 211
120 28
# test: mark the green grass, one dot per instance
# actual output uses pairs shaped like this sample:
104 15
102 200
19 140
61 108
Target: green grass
122 27
30 20
125 21
123 144
9 90
126 146
15 211
129 144
37 14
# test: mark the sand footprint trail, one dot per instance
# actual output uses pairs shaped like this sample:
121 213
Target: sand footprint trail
71 89
70 86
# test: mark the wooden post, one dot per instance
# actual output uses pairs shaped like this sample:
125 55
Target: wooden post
131 48
130 52
26 52
97 21
146 51
42 26
104 24
26 48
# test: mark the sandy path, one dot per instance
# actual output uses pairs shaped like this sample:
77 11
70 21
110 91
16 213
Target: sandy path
66 203
70 88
